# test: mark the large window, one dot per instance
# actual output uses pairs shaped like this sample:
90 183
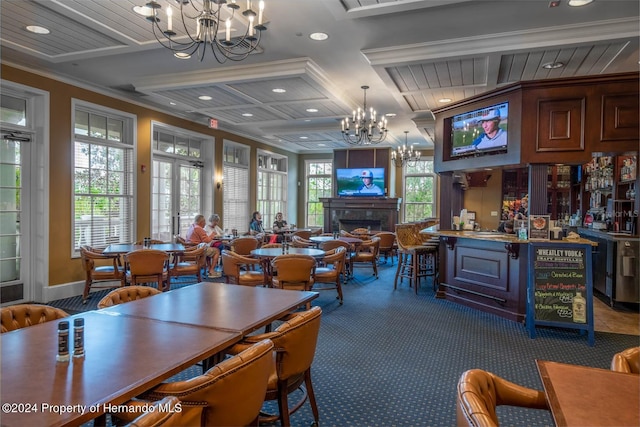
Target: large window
272 186
318 177
419 190
235 187
177 187
103 178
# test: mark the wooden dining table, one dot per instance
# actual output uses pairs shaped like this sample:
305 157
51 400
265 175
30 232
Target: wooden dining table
219 306
124 356
584 396
123 248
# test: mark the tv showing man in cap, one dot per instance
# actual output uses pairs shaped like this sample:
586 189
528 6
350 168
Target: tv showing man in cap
493 136
368 187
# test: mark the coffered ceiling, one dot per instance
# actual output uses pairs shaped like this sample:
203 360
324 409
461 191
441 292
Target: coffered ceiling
411 53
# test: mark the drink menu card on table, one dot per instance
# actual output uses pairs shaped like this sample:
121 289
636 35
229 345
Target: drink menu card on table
539 227
560 287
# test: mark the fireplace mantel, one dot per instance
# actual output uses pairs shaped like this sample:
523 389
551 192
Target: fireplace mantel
360 211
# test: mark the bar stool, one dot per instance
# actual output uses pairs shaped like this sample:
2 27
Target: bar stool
416 258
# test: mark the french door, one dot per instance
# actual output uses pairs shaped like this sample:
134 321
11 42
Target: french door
176 197
14 213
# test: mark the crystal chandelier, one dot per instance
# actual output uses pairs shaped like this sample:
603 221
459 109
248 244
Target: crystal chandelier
206 24
405 155
361 129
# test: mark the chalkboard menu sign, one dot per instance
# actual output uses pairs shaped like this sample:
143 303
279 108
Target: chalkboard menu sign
560 288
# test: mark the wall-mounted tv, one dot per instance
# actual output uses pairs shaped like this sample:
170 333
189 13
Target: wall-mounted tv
368 182
480 131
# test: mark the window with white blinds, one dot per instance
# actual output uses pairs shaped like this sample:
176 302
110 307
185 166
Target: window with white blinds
103 206
272 186
235 172
318 178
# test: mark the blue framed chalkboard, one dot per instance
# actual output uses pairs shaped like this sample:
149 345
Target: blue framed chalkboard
560 287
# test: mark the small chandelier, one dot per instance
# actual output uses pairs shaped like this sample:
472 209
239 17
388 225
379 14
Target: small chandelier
366 130
405 155
212 29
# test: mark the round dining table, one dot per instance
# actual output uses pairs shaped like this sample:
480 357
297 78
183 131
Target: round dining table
267 254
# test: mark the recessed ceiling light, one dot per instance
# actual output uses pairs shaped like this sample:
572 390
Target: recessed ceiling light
307 120
322 145
205 98
390 114
304 137
443 100
182 55
37 29
172 103
577 3
278 90
318 36
312 110
247 115
553 65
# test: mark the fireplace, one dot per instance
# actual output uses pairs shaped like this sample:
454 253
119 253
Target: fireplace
348 213
352 224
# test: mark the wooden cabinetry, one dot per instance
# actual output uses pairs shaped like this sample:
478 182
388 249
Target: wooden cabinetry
559 191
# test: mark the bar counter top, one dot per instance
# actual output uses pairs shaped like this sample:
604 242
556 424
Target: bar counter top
504 237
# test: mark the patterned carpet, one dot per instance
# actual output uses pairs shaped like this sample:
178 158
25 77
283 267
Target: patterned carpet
391 358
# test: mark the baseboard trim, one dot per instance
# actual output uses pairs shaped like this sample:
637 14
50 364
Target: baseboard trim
68 290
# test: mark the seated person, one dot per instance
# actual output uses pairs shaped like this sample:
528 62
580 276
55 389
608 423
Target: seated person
280 225
197 234
255 226
214 231
506 227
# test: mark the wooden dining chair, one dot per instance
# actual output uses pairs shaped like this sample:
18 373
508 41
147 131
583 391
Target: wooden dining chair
191 262
100 268
21 316
301 242
367 253
244 245
295 343
166 412
331 272
127 294
231 393
151 242
387 244
148 266
480 392
242 270
293 271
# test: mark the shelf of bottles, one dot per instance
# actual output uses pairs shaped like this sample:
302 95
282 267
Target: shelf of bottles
558 191
599 180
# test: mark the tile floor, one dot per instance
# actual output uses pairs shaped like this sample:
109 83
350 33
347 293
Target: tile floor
621 319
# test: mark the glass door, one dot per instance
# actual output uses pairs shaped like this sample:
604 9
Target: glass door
14 153
176 197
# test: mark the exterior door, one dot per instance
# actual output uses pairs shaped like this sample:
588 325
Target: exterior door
177 197
14 215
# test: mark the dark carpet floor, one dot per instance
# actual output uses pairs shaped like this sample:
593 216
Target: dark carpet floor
391 358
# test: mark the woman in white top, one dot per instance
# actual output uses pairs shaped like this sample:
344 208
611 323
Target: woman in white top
213 228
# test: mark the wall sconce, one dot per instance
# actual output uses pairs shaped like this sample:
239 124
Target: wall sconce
219 184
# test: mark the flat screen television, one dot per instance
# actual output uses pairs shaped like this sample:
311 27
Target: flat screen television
366 182
480 131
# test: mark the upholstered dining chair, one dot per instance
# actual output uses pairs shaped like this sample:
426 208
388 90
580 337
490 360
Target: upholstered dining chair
244 245
126 294
151 242
295 343
336 243
387 244
24 315
184 242
231 393
100 268
301 242
232 266
166 412
480 392
293 271
367 253
189 263
344 233
148 266
331 272
627 361
305 234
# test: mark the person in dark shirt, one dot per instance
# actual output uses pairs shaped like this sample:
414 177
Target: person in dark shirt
506 227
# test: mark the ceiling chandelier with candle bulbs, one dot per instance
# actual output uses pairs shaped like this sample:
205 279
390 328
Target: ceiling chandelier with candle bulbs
405 155
206 25
364 127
